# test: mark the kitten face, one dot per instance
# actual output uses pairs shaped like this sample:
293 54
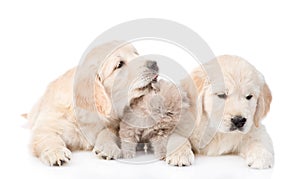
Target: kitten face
168 103
164 103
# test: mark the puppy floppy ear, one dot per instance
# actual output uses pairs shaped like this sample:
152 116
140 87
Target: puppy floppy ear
263 104
102 100
193 85
90 94
200 79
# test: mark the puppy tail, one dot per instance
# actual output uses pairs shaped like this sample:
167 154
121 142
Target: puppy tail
25 115
28 124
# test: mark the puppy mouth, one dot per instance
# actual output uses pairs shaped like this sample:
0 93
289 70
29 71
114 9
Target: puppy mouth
143 88
234 128
148 82
154 80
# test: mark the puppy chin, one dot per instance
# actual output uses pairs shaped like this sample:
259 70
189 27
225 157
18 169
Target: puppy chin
246 128
232 130
240 130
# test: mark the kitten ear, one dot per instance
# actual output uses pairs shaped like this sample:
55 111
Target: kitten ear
185 101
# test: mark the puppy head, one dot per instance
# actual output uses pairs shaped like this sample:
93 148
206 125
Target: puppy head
132 82
105 75
240 95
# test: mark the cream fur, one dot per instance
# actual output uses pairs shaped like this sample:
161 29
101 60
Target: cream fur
76 111
212 135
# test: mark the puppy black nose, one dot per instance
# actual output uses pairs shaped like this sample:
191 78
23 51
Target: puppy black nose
238 121
152 65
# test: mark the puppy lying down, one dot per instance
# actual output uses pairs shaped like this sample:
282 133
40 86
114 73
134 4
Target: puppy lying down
152 118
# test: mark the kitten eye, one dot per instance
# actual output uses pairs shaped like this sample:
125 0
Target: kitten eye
120 64
169 114
249 96
222 96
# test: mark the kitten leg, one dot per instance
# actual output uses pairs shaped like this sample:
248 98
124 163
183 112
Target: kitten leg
160 147
128 148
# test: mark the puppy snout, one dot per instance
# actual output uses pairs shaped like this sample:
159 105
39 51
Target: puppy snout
152 65
238 121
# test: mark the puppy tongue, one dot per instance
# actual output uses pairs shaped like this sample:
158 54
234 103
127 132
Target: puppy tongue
155 78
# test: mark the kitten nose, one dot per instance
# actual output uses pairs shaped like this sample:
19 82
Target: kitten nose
152 65
238 121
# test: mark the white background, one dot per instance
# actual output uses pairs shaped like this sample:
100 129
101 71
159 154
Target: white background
41 40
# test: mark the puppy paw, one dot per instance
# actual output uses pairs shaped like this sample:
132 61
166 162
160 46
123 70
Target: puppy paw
126 154
107 151
56 157
260 159
182 157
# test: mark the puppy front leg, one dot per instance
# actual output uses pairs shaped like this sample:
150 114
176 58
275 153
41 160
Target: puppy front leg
106 145
258 149
49 147
179 151
179 148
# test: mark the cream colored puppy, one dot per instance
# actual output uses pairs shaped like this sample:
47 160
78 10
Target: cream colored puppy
232 98
76 111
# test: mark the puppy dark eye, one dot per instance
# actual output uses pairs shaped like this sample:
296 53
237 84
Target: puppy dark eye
222 96
169 114
249 97
120 64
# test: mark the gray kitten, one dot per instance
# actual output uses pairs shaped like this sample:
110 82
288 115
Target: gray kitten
152 118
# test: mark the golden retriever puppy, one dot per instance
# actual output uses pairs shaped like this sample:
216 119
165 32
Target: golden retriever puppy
152 118
232 98
76 111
